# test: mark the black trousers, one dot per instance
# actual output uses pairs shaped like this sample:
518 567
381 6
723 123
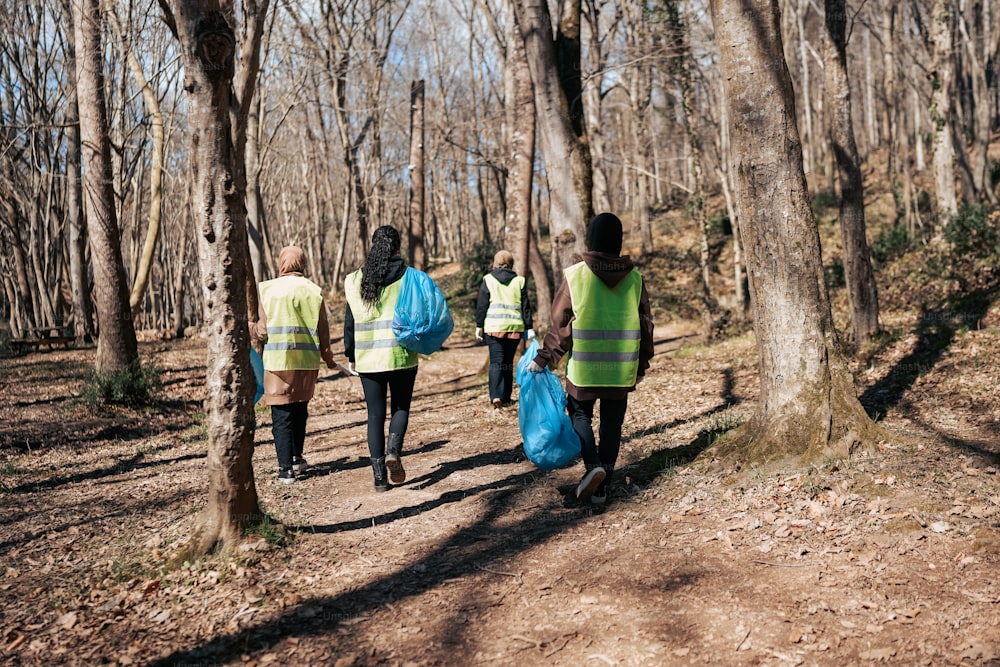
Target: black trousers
502 352
288 426
610 429
398 387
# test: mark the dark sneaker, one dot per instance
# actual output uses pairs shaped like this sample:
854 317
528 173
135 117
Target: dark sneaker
299 464
598 498
589 484
286 476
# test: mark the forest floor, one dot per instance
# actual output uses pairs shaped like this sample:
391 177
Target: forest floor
477 559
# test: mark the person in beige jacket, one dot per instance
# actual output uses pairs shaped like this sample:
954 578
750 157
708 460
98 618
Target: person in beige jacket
295 334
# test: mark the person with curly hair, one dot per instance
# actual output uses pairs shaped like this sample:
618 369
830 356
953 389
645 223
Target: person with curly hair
387 369
503 314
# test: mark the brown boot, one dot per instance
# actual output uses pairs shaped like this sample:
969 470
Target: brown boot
393 460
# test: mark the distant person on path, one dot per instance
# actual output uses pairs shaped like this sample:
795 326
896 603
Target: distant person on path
503 312
296 334
386 368
601 318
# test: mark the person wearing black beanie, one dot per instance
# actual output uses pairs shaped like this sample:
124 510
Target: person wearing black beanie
602 320
604 234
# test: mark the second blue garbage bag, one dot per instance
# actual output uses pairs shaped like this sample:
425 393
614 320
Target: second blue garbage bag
549 439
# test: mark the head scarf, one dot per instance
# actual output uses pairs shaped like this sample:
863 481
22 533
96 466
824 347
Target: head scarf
291 259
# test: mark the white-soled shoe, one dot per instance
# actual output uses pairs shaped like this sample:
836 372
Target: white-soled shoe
589 484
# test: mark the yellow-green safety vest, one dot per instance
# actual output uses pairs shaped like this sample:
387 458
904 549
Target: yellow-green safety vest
375 346
292 305
606 330
504 313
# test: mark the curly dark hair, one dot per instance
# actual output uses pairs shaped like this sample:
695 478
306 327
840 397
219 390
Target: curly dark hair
385 246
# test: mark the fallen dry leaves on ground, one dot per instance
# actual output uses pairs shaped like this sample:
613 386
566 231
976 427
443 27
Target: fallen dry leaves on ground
477 559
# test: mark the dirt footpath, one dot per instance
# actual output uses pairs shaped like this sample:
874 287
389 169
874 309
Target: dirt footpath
477 559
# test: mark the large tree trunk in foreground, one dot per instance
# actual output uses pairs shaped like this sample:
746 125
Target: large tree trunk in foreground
808 410
862 295
208 49
116 343
566 153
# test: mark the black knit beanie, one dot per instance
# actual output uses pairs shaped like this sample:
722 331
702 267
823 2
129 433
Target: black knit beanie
604 234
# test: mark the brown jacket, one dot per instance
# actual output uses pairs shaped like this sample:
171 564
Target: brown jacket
559 340
284 387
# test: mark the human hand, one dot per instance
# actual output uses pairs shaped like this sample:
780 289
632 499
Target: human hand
529 334
535 368
479 334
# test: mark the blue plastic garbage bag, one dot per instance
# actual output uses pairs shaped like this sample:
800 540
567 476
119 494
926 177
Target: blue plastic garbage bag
549 439
258 372
421 321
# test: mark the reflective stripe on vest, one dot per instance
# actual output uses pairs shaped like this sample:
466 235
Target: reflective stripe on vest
606 329
375 346
292 306
504 313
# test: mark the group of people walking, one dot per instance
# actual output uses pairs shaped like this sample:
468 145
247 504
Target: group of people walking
601 319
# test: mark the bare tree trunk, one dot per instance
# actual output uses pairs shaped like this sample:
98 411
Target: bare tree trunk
592 95
208 50
808 410
520 119
418 256
116 345
942 74
809 132
566 153
75 222
140 279
862 296
980 41
543 309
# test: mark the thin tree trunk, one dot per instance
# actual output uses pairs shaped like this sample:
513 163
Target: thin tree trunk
520 119
862 296
75 223
116 345
418 255
941 115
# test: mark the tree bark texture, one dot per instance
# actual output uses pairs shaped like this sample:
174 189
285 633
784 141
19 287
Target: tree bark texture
942 20
808 410
208 50
862 296
76 225
566 154
116 343
140 279
520 119
418 255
